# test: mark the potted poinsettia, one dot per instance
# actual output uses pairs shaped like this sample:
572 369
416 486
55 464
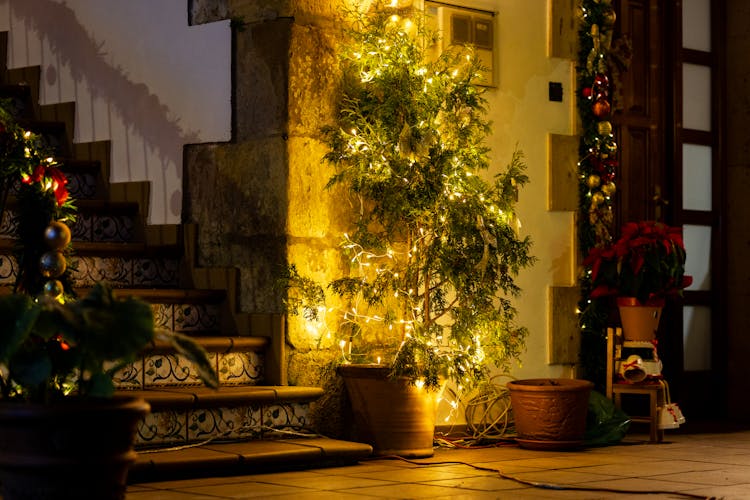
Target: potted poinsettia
434 246
63 431
642 268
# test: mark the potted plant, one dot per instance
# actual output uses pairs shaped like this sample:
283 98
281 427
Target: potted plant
642 268
434 247
62 433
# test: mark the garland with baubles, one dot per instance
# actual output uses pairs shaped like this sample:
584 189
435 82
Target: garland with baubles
597 168
43 209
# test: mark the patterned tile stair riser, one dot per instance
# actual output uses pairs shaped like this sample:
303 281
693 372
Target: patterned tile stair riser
175 428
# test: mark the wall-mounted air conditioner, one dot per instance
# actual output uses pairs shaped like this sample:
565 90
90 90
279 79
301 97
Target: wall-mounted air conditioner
465 26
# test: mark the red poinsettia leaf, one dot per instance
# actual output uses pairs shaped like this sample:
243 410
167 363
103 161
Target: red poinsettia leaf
603 291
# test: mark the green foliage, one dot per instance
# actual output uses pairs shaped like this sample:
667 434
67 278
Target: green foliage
50 348
434 248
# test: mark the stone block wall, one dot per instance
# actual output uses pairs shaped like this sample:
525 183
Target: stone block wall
260 201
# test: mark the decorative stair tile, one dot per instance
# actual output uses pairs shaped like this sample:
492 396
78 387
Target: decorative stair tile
8 270
112 228
283 415
129 376
165 370
166 427
224 423
236 368
81 185
195 318
124 272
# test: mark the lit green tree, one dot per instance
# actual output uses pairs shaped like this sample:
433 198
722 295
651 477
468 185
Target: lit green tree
434 249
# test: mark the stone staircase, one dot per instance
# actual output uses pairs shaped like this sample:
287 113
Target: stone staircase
243 426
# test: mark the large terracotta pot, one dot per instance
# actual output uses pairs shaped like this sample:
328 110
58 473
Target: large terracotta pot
74 449
550 413
393 416
639 321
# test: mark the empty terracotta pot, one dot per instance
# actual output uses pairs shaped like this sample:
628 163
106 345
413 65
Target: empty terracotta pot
550 413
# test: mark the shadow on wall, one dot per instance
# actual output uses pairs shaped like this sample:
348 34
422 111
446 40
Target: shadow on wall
143 114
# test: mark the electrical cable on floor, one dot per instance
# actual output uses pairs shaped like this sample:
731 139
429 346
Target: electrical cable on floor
488 414
226 434
547 486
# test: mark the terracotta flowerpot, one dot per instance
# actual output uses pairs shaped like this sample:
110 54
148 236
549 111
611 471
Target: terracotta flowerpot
550 413
393 416
639 321
74 449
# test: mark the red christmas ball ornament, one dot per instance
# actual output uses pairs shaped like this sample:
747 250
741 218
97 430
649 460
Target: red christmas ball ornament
586 92
601 80
601 108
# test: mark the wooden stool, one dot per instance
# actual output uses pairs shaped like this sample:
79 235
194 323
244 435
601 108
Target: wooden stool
654 391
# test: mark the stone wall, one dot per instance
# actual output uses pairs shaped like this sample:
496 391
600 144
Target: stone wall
260 202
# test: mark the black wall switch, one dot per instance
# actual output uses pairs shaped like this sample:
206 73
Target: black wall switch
555 92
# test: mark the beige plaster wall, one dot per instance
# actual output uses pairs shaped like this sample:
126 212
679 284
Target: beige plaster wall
523 117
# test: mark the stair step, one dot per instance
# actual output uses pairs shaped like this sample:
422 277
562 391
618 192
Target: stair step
237 360
185 415
196 398
96 221
247 457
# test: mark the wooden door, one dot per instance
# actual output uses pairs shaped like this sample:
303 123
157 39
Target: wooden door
668 127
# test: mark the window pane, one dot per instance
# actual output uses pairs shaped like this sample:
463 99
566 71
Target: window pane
696 97
698 249
696 338
696 24
696 177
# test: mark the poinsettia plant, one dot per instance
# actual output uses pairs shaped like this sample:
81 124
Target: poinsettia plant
647 262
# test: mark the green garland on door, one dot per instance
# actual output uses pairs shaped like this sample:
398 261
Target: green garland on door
597 167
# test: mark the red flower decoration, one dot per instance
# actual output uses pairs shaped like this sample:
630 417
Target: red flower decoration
44 174
646 262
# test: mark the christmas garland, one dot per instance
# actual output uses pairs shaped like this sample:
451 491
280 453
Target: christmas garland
597 169
42 209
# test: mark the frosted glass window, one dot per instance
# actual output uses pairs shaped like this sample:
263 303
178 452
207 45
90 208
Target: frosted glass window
696 177
696 97
698 249
696 338
696 24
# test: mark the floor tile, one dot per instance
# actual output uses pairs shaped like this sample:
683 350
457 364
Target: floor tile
722 477
409 490
245 490
410 475
650 468
482 483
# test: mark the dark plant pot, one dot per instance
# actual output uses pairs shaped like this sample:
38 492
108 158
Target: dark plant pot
550 414
74 449
393 416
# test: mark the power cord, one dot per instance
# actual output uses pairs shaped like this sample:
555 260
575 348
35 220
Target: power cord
546 486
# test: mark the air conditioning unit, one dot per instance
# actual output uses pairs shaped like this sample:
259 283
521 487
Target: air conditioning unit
465 26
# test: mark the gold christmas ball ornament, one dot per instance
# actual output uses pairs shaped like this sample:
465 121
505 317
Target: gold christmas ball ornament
611 147
593 181
597 199
57 235
609 189
52 264
604 127
53 288
609 17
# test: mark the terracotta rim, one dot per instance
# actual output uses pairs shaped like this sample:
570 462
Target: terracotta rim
549 384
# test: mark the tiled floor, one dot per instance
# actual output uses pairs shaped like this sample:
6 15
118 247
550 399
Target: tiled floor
685 466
